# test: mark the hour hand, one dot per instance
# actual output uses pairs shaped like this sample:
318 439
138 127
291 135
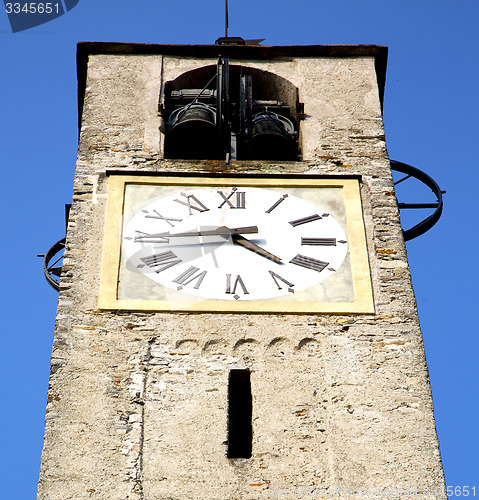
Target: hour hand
244 242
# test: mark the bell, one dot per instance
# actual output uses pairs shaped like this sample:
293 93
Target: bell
272 138
192 134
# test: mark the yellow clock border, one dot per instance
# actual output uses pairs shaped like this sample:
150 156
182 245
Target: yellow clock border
358 254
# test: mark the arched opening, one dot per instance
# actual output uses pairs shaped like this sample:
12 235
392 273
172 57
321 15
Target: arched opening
231 112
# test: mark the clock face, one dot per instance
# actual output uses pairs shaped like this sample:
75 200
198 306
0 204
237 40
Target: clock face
234 243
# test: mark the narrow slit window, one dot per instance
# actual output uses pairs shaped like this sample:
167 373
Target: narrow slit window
240 410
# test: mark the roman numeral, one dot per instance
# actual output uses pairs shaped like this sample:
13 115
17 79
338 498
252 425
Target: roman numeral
188 276
140 236
276 204
277 277
319 241
237 282
305 220
240 199
309 263
192 203
161 261
159 216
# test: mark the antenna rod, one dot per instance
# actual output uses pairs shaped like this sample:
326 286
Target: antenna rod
226 18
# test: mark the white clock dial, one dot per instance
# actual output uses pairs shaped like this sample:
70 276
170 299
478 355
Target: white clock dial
229 243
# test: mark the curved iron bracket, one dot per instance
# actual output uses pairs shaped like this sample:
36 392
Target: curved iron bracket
52 266
428 222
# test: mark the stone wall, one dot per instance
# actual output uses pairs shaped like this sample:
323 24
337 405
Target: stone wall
137 403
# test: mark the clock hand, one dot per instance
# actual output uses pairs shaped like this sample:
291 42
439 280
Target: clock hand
221 231
244 242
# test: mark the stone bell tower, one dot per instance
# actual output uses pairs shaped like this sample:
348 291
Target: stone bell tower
236 317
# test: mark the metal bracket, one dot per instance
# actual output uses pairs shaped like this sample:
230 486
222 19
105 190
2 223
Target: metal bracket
427 223
52 264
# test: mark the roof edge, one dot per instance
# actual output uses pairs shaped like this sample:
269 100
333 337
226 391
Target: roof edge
237 52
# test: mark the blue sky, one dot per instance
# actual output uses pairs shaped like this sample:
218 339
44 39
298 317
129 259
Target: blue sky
431 118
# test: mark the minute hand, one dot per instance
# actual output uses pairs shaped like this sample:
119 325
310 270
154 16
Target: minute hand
221 231
239 240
